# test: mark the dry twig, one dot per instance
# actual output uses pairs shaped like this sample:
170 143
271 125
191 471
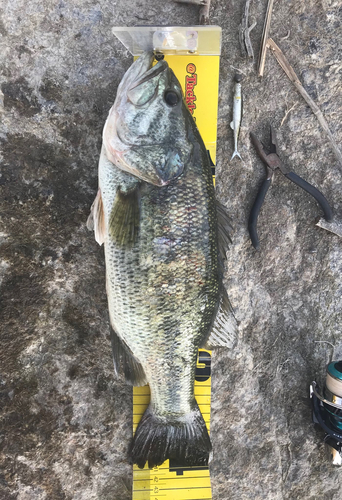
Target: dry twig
334 227
326 342
244 32
204 10
294 79
204 13
287 111
286 36
264 38
238 70
192 2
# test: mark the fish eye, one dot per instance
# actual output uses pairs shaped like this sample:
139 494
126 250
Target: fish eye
171 98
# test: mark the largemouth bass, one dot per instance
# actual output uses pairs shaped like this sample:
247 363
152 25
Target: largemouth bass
165 237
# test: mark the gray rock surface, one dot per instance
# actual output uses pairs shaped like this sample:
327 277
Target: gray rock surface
65 421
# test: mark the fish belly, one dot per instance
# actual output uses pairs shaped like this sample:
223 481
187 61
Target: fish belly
163 291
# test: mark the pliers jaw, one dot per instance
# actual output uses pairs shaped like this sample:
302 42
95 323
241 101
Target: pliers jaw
274 142
261 149
269 155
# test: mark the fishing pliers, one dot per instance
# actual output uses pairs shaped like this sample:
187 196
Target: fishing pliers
273 162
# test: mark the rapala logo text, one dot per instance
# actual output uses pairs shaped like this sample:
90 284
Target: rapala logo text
190 83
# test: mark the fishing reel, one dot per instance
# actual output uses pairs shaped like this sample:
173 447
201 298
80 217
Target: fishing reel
327 410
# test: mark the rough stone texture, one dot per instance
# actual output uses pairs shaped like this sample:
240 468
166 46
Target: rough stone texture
65 421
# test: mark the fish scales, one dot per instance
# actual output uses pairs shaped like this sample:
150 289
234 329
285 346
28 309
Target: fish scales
163 291
157 216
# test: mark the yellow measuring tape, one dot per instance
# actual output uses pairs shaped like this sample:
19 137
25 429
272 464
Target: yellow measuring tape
170 481
199 77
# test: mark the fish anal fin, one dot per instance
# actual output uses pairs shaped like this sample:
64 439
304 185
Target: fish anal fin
223 331
125 363
225 228
96 220
124 218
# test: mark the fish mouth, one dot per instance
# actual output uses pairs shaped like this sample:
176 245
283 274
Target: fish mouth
146 70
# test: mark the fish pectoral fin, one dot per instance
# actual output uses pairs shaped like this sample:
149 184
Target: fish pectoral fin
125 363
223 332
225 228
232 125
124 219
96 220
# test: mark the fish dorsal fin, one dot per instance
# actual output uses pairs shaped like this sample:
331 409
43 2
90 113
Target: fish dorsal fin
225 228
232 125
124 218
125 363
96 220
223 332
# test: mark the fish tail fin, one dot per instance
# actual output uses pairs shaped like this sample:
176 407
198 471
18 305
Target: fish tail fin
184 439
236 153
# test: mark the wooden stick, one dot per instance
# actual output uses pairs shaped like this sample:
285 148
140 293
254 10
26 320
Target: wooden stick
244 33
192 2
204 13
279 55
287 111
204 10
334 227
264 38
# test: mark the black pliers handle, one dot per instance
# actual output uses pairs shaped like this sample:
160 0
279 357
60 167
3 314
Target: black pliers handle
271 159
